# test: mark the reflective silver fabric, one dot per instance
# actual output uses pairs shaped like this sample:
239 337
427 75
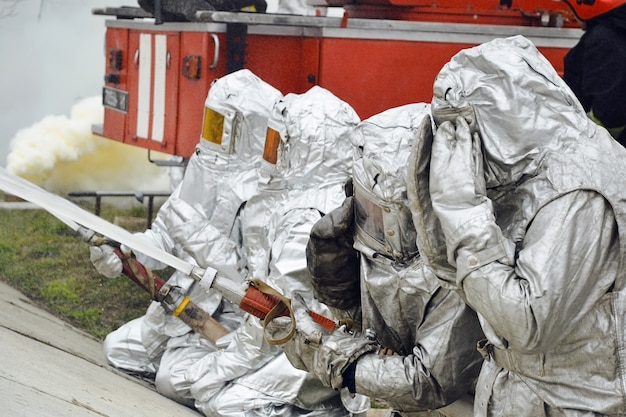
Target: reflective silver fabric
553 309
201 211
384 143
431 328
314 161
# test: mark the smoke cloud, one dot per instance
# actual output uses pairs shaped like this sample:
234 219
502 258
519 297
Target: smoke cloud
60 154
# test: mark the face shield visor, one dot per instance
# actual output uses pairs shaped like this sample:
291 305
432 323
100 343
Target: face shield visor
220 129
272 143
270 172
369 219
386 227
382 145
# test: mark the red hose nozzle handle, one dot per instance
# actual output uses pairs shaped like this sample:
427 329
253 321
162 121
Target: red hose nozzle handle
260 303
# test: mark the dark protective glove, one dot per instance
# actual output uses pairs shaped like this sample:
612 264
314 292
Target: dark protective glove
459 199
332 261
325 355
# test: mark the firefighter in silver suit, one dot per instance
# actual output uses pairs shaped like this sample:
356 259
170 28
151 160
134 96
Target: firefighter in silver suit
220 177
430 329
307 160
522 213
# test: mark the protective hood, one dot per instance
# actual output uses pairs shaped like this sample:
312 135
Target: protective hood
225 167
314 146
236 112
513 96
523 110
382 145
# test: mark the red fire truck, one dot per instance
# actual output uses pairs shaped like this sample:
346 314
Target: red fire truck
379 54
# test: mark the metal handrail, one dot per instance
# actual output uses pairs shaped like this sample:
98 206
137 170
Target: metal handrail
139 196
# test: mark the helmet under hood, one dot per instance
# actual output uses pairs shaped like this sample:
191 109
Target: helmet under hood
515 99
382 147
307 141
235 115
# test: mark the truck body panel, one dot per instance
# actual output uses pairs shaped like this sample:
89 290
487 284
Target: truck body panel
157 76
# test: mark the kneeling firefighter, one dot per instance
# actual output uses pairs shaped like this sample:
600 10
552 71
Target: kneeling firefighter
220 178
307 159
403 306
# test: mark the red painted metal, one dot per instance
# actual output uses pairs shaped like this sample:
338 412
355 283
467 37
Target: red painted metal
492 12
115 121
373 67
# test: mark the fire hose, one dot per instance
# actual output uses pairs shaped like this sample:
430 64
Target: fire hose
172 298
254 296
258 299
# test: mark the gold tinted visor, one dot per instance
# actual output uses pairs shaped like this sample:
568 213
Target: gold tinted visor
212 126
272 141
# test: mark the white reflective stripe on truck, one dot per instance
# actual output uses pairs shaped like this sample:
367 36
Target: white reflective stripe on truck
151 86
158 99
144 83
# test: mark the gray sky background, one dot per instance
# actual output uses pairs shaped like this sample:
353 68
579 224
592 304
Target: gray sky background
51 57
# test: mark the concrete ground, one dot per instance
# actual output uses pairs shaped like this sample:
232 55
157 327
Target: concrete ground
49 368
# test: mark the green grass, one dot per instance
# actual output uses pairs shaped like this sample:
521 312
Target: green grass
49 263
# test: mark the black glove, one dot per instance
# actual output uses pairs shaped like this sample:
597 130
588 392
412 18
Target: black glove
332 261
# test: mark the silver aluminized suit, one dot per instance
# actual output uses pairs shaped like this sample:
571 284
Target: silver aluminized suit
534 239
220 177
251 377
430 328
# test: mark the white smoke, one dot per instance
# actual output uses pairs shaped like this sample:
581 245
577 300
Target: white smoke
61 154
